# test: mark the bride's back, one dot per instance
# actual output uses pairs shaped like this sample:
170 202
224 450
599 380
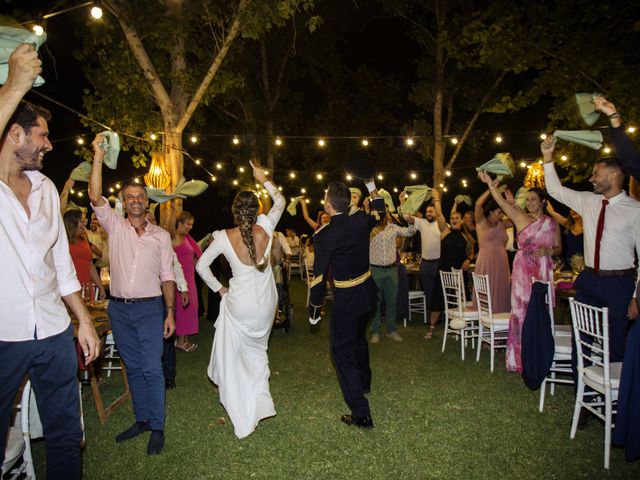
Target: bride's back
260 240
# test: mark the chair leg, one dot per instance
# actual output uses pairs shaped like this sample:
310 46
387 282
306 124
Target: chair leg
607 427
543 389
446 331
479 343
463 342
576 408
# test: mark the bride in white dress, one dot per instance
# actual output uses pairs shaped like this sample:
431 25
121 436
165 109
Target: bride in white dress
239 364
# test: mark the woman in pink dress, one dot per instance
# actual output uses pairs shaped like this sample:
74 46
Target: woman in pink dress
492 257
538 240
188 253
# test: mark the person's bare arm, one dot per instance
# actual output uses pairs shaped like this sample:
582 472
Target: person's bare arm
95 182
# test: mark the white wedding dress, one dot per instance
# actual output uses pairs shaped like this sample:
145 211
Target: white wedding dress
239 363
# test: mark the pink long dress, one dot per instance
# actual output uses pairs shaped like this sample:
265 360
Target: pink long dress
492 260
187 318
539 234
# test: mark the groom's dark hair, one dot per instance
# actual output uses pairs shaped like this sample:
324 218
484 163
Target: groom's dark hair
339 196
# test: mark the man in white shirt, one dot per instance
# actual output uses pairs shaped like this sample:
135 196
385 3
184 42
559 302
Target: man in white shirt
607 280
36 335
430 228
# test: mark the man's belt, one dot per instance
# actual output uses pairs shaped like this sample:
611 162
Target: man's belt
391 265
353 282
133 300
610 273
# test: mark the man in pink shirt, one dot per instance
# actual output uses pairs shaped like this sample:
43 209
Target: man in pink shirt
36 335
141 267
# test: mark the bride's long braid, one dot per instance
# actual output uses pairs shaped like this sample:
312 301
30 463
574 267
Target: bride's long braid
245 211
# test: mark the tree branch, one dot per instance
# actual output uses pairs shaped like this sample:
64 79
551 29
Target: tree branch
474 119
213 69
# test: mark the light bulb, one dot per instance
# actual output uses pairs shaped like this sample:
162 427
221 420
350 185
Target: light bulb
380 177
278 141
194 139
564 158
349 177
292 174
448 173
236 140
96 12
321 142
319 176
241 169
543 136
498 139
80 141
409 142
365 142
198 162
213 178
454 141
38 30
219 166
413 175
153 136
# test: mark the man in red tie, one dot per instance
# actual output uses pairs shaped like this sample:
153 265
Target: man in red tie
611 233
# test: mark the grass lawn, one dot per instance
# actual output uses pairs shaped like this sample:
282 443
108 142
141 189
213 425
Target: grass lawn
435 417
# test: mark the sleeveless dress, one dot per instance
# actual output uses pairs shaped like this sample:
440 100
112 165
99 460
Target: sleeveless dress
539 234
492 260
239 364
187 318
82 256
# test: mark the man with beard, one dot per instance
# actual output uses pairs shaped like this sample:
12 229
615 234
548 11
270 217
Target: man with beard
430 229
141 268
611 232
36 335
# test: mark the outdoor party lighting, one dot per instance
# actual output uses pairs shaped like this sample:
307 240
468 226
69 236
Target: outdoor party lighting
442 185
241 169
198 162
543 136
454 141
153 136
395 189
236 141
380 177
523 164
80 141
349 177
564 158
498 138
413 175
96 12
631 129
365 142
606 150
111 190
118 185
80 194
194 139
280 188
409 142
278 141
448 173
292 174
319 176
213 178
38 30
306 200
235 182
72 191
137 180
219 166
303 190
321 142
444 189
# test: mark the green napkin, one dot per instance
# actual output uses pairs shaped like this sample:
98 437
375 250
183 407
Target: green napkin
502 165
10 39
387 199
291 208
190 188
158 195
81 172
587 107
111 147
418 194
521 196
588 138
463 199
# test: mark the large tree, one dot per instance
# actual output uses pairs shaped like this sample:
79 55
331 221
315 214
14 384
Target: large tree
153 63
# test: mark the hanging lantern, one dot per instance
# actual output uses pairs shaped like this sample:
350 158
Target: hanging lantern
535 176
157 176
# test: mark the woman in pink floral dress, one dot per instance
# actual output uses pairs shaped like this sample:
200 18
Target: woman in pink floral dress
538 240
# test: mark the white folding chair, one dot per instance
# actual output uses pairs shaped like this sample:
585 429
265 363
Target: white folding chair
18 461
417 304
591 333
460 320
492 327
562 351
295 266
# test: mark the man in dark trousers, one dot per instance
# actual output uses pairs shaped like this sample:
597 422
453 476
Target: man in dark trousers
343 247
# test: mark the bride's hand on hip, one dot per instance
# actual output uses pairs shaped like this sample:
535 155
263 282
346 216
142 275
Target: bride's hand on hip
223 291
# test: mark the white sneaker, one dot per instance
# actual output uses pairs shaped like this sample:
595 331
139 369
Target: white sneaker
375 338
394 336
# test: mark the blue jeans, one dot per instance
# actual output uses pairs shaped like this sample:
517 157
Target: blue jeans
52 367
387 282
137 331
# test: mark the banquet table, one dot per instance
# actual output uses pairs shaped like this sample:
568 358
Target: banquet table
98 311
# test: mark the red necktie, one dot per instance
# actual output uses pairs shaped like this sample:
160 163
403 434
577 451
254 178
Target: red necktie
599 230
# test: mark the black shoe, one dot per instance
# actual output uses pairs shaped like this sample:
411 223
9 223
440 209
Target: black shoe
362 422
133 431
583 418
156 442
169 384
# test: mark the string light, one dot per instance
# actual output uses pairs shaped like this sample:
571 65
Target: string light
153 136
631 129
241 169
306 200
219 166
564 158
235 183
444 189
80 141
365 142
319 176
395 189
236 141
448 173
498 138
523 164
454 140
38 30
111 190
292 174
442 185
278 141
96 13
543 136
80 194
198 162
321 142
213 178
280 188
409 141
194 139
303 190
380 177
72 191
606 150
413 176
137 180
349 177
118 185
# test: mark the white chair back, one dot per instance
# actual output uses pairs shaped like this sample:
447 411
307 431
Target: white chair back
452 292
591 333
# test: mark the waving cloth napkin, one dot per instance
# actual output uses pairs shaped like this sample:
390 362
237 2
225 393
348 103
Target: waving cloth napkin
10 39
81 172
418 194
184 189
387 199
111 147
502 165
587 107
463 199
588 138
521 196
291 208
